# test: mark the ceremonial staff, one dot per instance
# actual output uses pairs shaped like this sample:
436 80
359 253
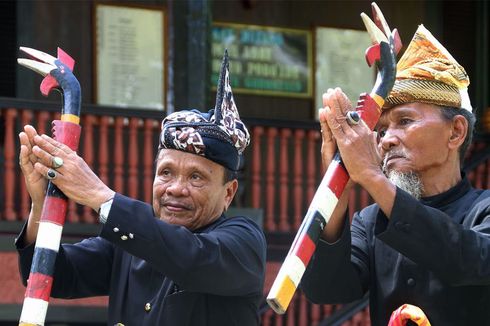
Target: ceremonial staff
58 75
382 53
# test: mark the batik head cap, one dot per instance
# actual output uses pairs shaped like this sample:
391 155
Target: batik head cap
218 135
428 73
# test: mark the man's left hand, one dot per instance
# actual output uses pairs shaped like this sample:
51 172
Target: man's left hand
74 177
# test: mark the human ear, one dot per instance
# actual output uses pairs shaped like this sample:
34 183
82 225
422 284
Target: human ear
459 129
231 189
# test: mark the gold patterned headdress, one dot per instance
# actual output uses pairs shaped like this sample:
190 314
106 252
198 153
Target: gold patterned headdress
428 73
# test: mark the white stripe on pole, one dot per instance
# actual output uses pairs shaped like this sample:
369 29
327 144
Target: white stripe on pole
49 236
34 311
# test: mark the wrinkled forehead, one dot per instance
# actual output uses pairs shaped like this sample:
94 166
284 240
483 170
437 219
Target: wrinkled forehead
409 110
167 156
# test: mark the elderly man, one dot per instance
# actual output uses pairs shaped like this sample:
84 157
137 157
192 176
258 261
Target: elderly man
191 265
426 240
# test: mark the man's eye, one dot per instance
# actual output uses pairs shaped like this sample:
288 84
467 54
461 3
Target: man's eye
197 180
405 121
381 133
165 173
195 176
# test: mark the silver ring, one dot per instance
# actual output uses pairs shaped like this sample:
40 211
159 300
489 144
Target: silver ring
353 117
51 174
57 162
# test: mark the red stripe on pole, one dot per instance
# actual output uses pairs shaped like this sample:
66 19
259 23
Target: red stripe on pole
54 210
369 111
66 132
337 178
39 286
305 248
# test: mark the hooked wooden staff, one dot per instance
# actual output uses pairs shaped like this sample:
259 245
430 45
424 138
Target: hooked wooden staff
58 75
382 53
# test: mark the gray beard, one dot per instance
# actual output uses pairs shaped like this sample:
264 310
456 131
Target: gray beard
407 181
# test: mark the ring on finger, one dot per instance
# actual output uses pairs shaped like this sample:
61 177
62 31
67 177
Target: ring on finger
51 174
57 162
353 117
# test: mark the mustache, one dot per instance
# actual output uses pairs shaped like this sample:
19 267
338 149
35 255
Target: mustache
391 154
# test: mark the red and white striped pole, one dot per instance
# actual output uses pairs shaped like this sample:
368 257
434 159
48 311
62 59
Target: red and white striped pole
385 44
58 75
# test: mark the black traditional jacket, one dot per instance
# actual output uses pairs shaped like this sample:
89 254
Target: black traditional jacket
156 273
433 253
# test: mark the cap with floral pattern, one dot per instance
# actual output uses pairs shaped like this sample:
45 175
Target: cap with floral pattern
219 135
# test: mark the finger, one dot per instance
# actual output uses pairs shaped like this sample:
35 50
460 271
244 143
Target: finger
339 105
342 100
43 157
24 142
361 128
325 129
24 139
27 152
328 98
329 145
333 124
43 170
49 145
30 132
57 144
57 162
352 117
24 161
24 155
334 114
344 106
336 100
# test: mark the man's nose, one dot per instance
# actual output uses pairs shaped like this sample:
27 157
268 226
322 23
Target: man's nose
178 187
389 140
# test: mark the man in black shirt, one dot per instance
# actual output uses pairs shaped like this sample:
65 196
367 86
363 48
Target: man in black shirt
426 240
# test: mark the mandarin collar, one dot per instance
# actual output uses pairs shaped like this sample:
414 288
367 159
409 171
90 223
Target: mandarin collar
449 196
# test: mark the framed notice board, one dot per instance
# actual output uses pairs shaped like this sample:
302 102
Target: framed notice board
129 56
340 62
264 60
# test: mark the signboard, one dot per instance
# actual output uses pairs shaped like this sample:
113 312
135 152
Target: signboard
264 60
340 62
129 56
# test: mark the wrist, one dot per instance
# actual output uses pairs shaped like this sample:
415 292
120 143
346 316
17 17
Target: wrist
101 199
104 210
36 210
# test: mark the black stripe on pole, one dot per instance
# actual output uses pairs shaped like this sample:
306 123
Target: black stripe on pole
43 261
54 191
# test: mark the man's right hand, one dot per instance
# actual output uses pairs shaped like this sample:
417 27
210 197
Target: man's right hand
332 98
35 182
